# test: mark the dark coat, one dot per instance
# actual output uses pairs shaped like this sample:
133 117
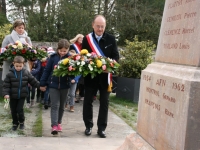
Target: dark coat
53 81
109 47
16 83
36 69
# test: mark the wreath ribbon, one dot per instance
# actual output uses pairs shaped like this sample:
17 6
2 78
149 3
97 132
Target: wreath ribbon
6 100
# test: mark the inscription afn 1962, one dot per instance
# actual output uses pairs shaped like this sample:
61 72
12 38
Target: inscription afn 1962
179 87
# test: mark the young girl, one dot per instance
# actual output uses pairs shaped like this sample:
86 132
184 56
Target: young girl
15 88
58 86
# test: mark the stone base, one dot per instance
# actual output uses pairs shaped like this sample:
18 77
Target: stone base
135 142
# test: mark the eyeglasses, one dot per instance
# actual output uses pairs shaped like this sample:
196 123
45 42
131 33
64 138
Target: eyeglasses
100 27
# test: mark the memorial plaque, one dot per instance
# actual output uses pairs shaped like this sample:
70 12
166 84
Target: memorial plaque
169 101
179 39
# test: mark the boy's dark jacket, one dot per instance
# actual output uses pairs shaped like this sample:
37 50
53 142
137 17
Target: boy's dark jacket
49 79
16 83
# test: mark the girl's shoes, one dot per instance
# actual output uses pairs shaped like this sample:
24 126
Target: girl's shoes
71 109
82 98
54 130
59 128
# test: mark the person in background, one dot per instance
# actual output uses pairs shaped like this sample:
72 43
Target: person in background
76 44
40 94
72 91
35 71
18 34
58 86
15 88
47 100
102 43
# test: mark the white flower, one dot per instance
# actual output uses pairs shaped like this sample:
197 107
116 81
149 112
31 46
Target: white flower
58 66
103 61
82 63
90 67
60 62
19 45
88 54
78 63
80 69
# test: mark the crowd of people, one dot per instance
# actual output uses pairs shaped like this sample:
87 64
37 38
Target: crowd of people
29 81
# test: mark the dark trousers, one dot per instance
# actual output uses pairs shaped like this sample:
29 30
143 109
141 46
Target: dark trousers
103 108
17 111
81 90
31 94
40 93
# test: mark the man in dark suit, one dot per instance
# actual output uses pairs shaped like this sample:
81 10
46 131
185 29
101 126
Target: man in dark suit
106 43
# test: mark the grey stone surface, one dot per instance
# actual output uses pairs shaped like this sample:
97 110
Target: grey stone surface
72 137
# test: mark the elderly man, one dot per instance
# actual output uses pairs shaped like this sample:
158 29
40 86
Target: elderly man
103 44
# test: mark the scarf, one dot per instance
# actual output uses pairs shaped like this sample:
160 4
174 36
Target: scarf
19 37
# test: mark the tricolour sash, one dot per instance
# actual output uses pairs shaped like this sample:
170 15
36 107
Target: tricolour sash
96 49
77 49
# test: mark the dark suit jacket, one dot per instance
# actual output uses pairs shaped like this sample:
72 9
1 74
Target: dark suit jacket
109 47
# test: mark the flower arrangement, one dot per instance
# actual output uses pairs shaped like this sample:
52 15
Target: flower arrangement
20 49
85 63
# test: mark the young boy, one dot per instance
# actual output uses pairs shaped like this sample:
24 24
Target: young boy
15 87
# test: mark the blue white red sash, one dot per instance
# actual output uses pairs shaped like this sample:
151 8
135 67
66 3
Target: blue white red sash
96 49
77 49
94 45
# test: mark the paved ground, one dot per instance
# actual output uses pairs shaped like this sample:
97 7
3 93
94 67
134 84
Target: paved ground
72 137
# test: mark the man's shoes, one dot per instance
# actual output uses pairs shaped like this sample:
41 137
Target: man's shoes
102 134
88 131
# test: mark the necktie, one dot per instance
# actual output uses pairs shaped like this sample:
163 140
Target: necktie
98 38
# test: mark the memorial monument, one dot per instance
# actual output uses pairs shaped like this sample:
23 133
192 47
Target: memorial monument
169 100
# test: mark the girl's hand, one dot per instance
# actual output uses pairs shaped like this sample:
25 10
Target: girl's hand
6 96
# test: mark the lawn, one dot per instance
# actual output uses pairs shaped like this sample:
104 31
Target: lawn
125 109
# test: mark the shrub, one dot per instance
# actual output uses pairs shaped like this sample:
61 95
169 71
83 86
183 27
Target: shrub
136 56
4 30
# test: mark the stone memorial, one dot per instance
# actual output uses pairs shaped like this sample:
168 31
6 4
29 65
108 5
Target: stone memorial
169 100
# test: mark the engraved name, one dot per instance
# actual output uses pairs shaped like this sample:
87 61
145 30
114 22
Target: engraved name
169 98
167 112
152 91
175 4
176 46
179 31
152 104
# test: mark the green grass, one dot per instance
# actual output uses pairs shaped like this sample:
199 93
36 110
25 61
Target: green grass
125 109
6 121
37 127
